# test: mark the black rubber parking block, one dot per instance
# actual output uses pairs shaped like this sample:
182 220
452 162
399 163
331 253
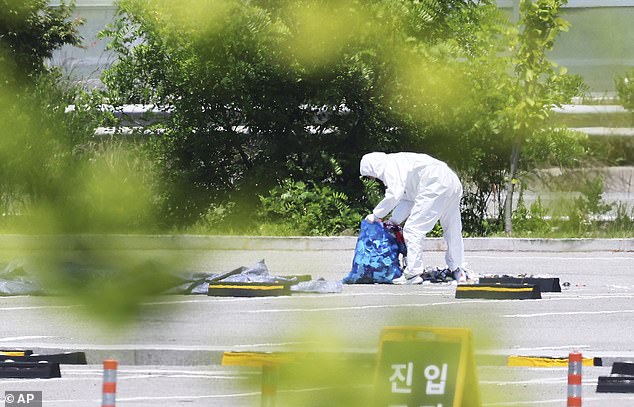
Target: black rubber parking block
29 370
68 358
546 285
615 384
247 289
623 368
499 291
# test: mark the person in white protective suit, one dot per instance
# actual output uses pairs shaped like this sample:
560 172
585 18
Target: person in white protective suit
420 190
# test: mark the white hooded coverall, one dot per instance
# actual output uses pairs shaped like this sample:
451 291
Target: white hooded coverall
422 190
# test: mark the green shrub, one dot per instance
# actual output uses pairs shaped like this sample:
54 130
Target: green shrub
576 214
301 208
475 221
531 221
623 223
217 220
625 88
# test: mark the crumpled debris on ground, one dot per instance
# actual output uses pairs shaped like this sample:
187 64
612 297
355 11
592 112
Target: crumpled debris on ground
198 283
319 286
442 275
523 275
19 277
380 254
437 275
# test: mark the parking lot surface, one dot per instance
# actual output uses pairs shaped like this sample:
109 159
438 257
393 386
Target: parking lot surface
170 354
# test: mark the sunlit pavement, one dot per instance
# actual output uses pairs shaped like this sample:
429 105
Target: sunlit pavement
170 354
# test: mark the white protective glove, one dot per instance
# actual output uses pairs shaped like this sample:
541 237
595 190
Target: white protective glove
371 218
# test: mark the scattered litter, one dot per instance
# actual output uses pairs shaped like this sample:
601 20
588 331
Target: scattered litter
198 283
437 275
320 286
19 277
381 255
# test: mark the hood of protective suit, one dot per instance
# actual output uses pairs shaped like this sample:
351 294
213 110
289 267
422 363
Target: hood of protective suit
373 165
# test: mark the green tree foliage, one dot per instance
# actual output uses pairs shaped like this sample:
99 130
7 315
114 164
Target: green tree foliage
269 90
536 86
30 30
316 83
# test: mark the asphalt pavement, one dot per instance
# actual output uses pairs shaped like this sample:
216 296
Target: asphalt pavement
170 354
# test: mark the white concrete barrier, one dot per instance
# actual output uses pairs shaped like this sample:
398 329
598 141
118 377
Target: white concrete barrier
297 243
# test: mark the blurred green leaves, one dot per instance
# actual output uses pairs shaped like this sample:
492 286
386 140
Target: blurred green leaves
324 32
84 187
108 281
65 193
61 184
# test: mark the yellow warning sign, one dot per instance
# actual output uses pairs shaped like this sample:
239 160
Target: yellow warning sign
426 367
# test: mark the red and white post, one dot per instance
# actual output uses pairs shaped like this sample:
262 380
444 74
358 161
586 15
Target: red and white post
575 362
109 383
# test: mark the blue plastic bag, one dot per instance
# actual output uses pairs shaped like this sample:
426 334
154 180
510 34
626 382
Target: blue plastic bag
376 256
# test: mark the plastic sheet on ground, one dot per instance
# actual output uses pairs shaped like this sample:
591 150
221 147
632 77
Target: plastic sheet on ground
319 286
18 279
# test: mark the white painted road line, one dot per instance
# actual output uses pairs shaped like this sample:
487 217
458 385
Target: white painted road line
555 402
39 307
554 258
137 399
550 314
23 338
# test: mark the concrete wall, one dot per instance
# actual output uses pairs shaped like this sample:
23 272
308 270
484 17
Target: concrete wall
599 45
87 62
